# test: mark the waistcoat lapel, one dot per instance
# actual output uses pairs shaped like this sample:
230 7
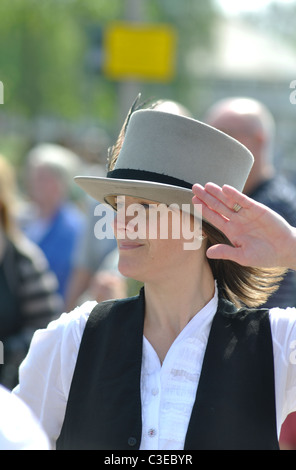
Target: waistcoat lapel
104 405
235 400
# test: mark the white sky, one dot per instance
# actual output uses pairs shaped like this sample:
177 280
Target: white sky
233 7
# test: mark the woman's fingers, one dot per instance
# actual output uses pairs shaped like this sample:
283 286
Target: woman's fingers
233 197
214 205
222 200
260 237
224 252
213 197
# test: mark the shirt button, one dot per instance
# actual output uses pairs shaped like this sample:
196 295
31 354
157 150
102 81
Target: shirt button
155 391
152 432
132 441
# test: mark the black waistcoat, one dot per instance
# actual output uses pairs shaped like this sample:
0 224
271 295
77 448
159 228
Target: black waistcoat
235 401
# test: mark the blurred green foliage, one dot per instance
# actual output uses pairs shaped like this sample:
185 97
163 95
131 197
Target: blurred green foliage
42 51
44 45
49 64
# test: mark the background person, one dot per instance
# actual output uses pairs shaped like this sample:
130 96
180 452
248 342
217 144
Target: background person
28 289
56 223
251 123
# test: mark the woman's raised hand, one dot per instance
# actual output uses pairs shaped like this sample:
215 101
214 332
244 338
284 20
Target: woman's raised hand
260 237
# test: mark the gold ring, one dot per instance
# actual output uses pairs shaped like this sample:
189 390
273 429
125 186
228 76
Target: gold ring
236 207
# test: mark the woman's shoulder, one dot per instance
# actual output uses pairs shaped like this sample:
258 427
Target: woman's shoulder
282 316
53 352
283 324
283 330
73 322
62 334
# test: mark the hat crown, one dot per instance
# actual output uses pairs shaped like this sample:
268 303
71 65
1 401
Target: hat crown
164 154
167 145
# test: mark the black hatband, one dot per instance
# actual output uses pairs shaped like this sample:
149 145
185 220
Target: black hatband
143 175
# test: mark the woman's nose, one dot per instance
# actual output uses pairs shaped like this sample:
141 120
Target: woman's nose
122 222
128 223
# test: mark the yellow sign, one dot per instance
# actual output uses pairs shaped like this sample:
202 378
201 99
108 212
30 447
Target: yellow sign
139 51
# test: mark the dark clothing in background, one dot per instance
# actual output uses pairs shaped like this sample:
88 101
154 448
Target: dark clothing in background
28 301
280 195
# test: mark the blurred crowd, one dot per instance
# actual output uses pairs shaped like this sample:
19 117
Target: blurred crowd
50 259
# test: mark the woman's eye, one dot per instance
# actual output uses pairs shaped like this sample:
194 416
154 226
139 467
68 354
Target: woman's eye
122 205
145 205
119 206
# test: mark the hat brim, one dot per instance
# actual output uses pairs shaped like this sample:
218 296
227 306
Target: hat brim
100 188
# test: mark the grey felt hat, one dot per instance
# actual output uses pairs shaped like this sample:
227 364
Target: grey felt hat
164 154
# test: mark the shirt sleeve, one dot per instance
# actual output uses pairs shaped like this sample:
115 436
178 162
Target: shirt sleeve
46 373
19 429
283 327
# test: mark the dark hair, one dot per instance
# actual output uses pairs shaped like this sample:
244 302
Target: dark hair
242 285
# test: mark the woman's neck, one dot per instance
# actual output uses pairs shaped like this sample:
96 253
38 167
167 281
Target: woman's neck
171 305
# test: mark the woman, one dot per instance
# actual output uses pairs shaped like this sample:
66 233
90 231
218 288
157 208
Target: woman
179 366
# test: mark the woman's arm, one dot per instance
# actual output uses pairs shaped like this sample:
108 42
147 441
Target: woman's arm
260 237
46 373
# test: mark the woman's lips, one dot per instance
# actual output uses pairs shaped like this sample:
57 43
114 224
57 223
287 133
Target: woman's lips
128 245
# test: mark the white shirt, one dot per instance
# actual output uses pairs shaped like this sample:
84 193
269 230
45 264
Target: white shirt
19 429
167 392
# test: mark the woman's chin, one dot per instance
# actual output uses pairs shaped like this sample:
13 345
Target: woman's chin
128 270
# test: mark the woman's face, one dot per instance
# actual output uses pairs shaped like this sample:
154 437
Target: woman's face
153 239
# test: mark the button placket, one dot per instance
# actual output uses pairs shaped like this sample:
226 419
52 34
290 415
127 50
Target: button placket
152 432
